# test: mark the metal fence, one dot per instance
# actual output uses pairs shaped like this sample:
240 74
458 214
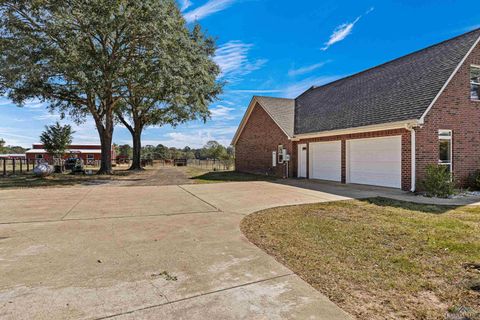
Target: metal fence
216 165
11 166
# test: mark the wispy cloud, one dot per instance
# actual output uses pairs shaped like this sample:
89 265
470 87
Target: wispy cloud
232 57
221 112
307 69
211 7
47 116
185 4
342 31
12 132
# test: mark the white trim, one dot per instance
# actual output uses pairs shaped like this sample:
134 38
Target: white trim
375 127
246 116
83 151
301 162
422 118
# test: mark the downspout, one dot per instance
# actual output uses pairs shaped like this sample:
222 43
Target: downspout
413 157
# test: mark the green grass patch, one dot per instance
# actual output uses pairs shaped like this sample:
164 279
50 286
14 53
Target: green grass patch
379 258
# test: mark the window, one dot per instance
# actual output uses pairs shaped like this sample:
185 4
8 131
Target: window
475 82
39 156
445 148
90 159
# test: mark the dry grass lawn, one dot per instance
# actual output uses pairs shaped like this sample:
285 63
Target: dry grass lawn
29 180
207 176
380 258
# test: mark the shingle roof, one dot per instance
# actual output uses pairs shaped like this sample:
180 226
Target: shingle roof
281 110
398 90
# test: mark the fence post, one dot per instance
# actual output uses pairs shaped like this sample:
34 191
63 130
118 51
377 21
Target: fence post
4 166
21 166
13 165
28 165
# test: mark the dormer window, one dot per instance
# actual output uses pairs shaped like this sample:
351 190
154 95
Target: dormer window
475 82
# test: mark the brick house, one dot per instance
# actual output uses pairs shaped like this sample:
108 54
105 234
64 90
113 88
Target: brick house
382 126
267 129
89 153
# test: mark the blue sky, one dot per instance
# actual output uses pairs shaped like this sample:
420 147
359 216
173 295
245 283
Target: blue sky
278 48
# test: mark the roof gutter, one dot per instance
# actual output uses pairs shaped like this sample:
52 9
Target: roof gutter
370 128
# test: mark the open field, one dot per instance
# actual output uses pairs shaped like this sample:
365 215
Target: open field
156 175
29 180
380 258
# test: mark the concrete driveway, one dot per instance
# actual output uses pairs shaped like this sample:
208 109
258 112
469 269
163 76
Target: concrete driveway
153 252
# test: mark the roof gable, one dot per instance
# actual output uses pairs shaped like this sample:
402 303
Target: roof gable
279 109
399 90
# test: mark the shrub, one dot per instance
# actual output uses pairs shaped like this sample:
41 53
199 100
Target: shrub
474 180
437 182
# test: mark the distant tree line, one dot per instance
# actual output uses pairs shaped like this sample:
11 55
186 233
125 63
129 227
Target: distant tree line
7 149
211 150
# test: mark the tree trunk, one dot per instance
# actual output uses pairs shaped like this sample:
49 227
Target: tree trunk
137 149
106 135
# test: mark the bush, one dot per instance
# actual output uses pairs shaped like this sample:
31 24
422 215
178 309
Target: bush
437 182
474 180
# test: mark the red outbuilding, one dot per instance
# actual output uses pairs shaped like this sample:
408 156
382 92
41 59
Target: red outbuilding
89 153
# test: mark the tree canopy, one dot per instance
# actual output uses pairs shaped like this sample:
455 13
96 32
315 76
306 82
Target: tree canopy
90 57
56 139
171 90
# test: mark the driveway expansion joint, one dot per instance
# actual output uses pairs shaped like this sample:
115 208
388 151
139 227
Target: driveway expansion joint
195 296
77 203
107 218
203 200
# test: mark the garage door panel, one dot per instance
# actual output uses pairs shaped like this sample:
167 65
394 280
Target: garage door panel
325 160
375 161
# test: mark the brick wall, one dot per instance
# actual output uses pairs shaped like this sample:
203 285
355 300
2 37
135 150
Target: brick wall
453 111
261 136
406 150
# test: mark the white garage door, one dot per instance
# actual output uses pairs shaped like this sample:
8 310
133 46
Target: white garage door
325 160
376 161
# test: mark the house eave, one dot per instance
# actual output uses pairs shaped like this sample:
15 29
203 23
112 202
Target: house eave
445 85
246 116
371 128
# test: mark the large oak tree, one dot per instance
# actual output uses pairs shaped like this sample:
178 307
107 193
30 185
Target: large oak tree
171 90
81 55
